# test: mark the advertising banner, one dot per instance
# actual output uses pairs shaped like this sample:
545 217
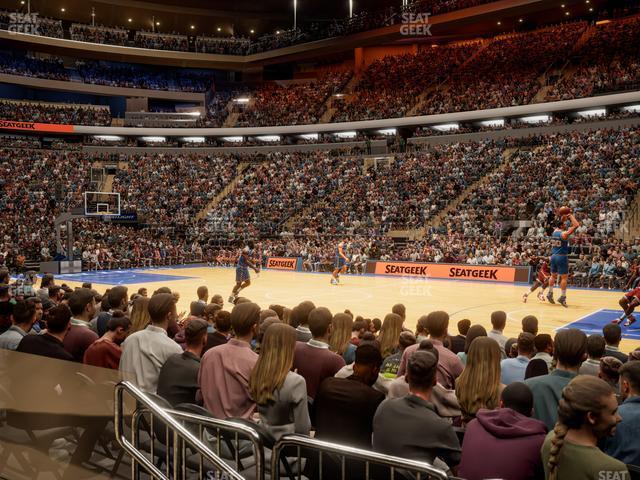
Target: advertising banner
35 127
282 263
487 273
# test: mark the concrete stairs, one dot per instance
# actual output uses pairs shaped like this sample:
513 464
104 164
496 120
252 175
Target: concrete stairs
221 196
629 229
231 120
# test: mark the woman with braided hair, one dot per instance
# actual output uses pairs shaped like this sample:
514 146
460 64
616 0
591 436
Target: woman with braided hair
587 413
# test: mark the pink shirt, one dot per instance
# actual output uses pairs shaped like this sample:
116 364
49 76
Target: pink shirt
224 379
449 364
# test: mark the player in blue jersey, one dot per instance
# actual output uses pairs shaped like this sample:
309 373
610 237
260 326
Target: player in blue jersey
243 280
341 263
560 255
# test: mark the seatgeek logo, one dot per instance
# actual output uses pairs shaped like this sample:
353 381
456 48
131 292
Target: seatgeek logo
415 25
23 23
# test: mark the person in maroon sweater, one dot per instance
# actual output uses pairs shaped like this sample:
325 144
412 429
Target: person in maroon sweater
105 352
504 443
83 308
313 359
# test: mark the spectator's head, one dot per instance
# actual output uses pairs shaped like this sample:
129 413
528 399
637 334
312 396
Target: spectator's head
589 404
203 293
59 320
119 327
421 372
279 309
389 337
262 330
118 298
499 320
596 346
37 304
511 347
479 384
24 314
544 343
367 363
376 325
47 280
196 309
517 396
630 379
320 319
358 328
195 335
421 327
218 300
570 348
56 293
274 362
268 313
245 318
406 340
82 304
4 276
437 324
210 312
300 314
399 309
526 345
612 333
342 324
223 322
140 314
474 332
428 346
610 370
142 292
87 285
530 325
536 368
162 309
464 326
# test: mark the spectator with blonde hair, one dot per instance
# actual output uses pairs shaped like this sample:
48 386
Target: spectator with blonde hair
389 337
140 314
339 342
587 413
479 384
280 394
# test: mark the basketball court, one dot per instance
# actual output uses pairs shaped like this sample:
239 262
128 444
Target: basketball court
373 296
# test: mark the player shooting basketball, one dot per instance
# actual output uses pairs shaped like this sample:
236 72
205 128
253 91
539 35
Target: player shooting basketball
560 254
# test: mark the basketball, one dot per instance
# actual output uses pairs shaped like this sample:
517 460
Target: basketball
562 211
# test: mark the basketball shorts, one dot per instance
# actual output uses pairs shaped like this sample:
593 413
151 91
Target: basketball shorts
560 264
242 274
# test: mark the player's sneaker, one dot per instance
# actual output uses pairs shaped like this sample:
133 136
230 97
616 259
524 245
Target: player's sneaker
541 296
333 281
550 298
524 297
563 301
630 321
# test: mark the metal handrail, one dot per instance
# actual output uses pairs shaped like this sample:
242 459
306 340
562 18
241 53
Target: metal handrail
227 426
180 436
366 456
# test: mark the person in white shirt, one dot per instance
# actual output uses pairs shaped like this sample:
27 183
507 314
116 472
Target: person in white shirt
144 352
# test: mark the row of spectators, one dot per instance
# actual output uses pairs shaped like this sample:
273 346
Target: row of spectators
404 194
98 34
478 403
296 104
390 87
607 61
68 114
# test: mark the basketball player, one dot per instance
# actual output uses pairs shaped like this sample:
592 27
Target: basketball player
341 263
560 257
542 280
629 303
242 271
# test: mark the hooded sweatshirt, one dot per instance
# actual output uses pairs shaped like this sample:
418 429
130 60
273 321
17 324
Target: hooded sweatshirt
502 444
